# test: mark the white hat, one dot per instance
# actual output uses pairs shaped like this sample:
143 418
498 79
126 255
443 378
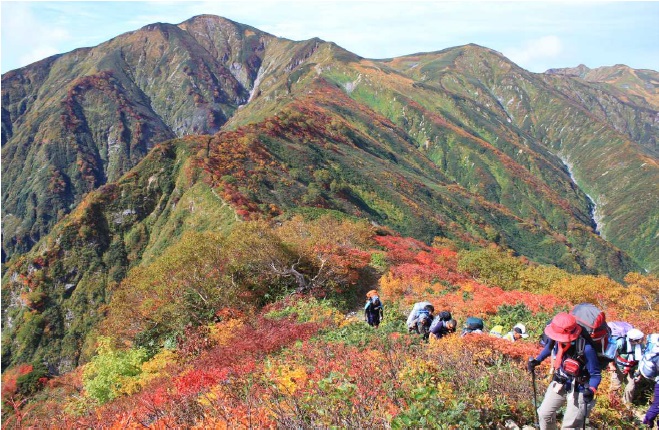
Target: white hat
521 329
635 334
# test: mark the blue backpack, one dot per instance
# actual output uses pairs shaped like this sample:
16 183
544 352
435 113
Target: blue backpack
649 364
474 323
423 315
618 330
373 305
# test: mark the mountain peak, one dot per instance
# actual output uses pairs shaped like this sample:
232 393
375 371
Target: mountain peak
214 22
580 71
641 85
153 26
208 18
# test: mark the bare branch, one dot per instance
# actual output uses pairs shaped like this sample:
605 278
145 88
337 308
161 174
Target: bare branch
299 277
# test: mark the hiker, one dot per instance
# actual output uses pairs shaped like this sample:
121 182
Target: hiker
497 331
518 332
649 369
373 312
440 328
576 377
420 319
472 325
653 410
629 351
413 317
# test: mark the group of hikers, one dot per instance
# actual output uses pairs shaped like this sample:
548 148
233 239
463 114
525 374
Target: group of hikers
581 344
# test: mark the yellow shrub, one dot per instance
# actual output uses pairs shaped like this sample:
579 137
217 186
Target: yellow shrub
598 290
223 332
154 368
290 378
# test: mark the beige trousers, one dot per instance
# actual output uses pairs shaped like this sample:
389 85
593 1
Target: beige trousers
576 410
617 379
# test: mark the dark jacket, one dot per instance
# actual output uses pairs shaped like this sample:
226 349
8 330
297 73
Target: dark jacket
591 370
373 312
439 328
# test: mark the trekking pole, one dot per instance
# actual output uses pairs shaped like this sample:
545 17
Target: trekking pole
535 400
585 410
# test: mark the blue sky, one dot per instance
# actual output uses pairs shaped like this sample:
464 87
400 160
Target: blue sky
536 35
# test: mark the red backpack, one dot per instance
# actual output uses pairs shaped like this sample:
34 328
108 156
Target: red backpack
593 322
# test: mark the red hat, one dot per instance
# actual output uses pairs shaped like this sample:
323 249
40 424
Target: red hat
563 328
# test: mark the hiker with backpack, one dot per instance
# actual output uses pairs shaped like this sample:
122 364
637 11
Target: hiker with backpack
649 369
629 351
373 312
576 377
419 307
518 332
473 325
497 331
421 318
443 324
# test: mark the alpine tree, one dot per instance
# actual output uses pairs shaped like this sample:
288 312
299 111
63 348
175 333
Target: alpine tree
330 252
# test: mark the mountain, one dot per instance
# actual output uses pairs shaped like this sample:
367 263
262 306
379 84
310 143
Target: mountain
640 86
111 153
74 122
595 132
580 71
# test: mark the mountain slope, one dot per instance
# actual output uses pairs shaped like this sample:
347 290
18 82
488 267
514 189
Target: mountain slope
242 369
641 86
86 117
73 122
53 297
458 144
608 145
323 150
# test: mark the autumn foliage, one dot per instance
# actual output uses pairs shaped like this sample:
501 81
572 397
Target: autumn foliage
301 360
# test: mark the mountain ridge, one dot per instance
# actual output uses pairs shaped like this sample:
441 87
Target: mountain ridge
641 85
460 144
214 42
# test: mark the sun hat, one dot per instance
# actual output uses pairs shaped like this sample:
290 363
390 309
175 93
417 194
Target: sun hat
635 334
521 329
563 328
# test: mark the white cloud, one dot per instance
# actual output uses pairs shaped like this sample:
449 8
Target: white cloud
26 38
536 35
535 51
36 54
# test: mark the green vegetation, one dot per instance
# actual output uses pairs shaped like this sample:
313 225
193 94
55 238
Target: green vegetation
297 157
221 334
109 372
